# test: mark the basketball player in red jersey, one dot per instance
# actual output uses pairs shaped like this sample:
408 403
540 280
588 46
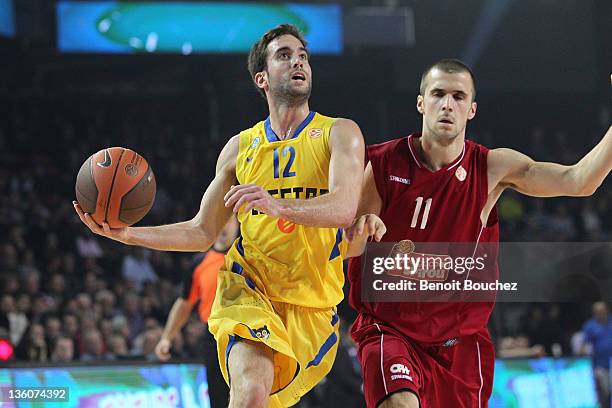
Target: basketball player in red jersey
437 186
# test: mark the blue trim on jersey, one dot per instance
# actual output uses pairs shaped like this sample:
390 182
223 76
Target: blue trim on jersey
237 268
250 283
272 137
331 340
239 246
230 344
335 318
335 252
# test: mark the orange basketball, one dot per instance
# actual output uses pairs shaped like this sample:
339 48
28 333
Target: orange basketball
117 186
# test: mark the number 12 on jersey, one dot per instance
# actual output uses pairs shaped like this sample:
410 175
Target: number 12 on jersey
287 171
417 212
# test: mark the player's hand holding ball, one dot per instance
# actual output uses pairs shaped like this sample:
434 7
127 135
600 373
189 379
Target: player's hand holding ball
115 188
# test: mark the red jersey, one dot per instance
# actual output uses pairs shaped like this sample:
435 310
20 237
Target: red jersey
425 206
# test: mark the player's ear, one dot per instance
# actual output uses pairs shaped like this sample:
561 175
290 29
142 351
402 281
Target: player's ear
472 111
261 80
419 105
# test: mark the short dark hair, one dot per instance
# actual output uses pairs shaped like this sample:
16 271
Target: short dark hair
259 51
450 66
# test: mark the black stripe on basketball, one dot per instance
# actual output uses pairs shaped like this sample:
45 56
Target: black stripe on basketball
137 202
110 190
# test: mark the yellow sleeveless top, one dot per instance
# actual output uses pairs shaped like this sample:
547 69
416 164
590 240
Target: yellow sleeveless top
289 263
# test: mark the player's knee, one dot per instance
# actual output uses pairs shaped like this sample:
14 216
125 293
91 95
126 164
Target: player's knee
248 394
402 399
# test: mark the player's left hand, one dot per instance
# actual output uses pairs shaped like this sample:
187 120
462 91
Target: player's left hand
369 224
254 197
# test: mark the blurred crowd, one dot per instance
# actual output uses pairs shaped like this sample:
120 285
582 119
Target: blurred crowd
68 296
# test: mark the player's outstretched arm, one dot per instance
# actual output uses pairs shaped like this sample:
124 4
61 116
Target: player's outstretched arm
197 234
334 209
179 314
509 168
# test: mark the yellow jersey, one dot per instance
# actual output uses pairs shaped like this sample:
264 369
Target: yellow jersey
288 263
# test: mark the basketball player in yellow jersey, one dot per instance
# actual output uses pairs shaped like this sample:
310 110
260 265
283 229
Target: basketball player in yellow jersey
291 180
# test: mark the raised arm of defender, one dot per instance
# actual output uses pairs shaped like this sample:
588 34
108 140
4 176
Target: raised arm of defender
509 168
334 209
197 234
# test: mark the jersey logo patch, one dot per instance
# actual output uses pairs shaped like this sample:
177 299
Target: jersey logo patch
285 226
421 266
400 371
255 142
461 174
315 133
262 333
399 179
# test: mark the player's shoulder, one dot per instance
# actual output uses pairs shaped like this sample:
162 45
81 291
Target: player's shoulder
339 125
344 132
229 154
473 145
388 148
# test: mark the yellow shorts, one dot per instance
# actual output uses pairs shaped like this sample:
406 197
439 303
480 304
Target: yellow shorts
304 340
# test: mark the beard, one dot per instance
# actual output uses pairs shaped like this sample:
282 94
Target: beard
290 94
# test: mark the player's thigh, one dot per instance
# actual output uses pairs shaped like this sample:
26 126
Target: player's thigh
401 399
250 366
389 367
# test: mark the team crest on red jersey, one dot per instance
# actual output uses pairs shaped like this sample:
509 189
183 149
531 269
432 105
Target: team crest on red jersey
429 267
461 174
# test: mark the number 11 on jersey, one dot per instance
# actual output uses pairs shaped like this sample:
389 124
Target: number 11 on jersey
417 212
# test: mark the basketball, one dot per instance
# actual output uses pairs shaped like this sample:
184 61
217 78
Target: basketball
117 186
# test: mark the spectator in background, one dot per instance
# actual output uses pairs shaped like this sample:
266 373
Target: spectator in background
598 332
88 247
121 327
33 346
63 351
31 283
133 313
57 287
137 269
117 347
53 330
106 328
106 299
563 226
93 347
591 221
13 319
70 325
9 260
10 283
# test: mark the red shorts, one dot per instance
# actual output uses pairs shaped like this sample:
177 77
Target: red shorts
458 374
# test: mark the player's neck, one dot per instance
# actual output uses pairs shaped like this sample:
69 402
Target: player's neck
284 118
435 154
